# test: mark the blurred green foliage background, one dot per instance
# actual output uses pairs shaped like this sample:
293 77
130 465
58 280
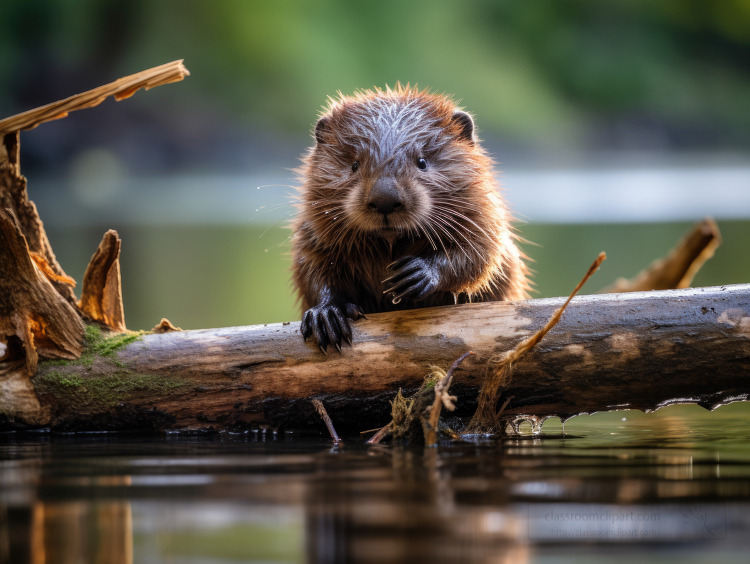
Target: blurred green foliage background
551 82
540 75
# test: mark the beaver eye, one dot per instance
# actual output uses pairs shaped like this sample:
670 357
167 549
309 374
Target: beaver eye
355 166
421 164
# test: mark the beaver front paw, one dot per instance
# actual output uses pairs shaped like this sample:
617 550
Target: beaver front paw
328 323
414 278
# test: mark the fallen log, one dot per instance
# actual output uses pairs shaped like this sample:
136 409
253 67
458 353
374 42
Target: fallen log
614 351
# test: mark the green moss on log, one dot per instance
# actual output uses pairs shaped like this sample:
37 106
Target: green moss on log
79 383
98 344
104 391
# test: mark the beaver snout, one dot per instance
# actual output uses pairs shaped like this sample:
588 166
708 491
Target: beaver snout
385 197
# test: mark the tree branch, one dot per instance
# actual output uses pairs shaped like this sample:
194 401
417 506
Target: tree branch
120 89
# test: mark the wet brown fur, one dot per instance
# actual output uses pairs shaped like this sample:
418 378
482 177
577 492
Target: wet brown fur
452 210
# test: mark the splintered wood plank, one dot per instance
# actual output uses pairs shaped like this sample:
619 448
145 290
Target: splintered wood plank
119 89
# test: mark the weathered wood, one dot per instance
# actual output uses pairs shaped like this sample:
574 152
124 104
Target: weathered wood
19 406
635 350
119 89
101 294
14 197
31 310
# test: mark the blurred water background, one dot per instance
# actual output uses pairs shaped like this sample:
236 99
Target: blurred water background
615 125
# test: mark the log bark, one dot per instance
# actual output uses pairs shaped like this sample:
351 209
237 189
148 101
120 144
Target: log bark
31 310
14 197
615 351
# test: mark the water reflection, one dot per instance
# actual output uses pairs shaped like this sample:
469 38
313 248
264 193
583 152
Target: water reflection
613 486
98 531
410 511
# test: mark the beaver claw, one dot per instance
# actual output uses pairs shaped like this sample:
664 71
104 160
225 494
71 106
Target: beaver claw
414 278
328 323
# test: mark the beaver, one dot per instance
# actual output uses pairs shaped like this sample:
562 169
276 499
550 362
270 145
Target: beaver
399 208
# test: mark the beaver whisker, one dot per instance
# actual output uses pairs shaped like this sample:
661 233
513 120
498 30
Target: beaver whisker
459 227
458 215
451 204
426 228
446 228
420 228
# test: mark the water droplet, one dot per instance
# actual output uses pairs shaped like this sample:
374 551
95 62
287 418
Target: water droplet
536 425
396 301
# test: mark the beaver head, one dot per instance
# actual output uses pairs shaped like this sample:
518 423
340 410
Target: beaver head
392 163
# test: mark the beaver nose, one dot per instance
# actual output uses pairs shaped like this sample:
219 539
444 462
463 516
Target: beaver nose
384 196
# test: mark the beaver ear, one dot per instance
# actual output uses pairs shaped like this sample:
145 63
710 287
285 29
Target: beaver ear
466 125
321 129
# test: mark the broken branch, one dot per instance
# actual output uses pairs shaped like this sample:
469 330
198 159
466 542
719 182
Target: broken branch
101 294
31 310
120 89
441 399
320 408
680 266
486 416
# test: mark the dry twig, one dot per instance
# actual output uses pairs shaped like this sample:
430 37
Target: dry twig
381 434
441 399
486 416
320 408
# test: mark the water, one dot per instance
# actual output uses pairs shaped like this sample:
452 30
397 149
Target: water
624 486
